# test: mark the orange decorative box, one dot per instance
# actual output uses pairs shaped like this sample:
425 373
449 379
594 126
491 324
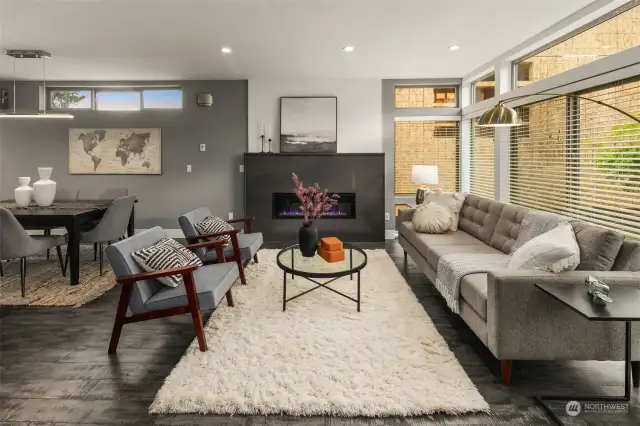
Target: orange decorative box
331 244
330 255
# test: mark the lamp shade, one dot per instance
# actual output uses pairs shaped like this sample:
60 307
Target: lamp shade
424 175
499 116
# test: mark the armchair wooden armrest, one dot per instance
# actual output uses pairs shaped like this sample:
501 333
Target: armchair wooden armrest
248 223
218 245
217 234
182 270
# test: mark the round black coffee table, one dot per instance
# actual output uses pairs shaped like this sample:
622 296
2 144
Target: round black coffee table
291 261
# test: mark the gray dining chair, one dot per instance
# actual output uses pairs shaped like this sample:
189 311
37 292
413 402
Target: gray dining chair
16 243
145 298
243 247
111 227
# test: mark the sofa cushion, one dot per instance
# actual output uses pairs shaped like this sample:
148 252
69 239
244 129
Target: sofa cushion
479 217
249 244
473 289
554 251
212 283
422 241
508 227
599 247
434 253
628 257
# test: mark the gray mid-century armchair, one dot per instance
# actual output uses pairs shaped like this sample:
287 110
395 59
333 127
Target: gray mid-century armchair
146 298
244 245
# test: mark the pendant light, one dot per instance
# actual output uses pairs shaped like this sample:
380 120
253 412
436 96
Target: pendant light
31 54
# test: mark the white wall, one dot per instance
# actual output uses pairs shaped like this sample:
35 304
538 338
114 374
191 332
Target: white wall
359 109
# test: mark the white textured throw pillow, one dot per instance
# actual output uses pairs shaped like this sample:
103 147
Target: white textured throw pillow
451 200
432 218
555 251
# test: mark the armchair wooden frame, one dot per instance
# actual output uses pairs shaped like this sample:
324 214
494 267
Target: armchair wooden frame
192 307
236 256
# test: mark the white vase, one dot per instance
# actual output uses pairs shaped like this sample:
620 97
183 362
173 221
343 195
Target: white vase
44 190
24 192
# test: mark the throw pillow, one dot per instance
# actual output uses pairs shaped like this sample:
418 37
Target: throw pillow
451 200
599 247
536 223
432 218
555 251
213 225
165 254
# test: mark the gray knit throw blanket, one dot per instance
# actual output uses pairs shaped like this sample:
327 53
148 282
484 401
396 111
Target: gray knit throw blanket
452 268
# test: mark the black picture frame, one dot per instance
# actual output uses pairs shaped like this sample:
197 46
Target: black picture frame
319 134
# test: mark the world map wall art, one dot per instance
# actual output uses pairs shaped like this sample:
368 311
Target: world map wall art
115 151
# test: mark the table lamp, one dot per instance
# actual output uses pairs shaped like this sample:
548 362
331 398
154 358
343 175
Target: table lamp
423 175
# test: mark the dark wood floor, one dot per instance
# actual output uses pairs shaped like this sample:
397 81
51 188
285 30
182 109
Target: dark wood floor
54 370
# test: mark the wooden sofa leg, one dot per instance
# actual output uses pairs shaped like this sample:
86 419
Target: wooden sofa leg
230 298
121 314
635 373
505 371
195 311
405 257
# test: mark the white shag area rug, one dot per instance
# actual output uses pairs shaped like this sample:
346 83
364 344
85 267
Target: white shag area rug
321 356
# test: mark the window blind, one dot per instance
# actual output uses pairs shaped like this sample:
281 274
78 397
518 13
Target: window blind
426 143
581 159
481 176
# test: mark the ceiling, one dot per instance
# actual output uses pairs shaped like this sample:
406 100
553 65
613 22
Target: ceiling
181 39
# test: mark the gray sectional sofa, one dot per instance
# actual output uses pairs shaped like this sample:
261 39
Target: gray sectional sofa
505 310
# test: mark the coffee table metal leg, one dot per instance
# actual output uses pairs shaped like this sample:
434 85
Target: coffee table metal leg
358 291
284 292
293 266
351 263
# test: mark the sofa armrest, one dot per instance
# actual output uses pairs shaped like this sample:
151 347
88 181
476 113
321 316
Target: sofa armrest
525 323
404 215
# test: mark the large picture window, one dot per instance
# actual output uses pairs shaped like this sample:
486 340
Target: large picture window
581 159
426 143
481 176
611 36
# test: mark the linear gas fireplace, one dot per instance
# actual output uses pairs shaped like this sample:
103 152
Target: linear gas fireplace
285 205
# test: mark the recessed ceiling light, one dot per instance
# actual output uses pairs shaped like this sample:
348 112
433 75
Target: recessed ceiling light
348 48
226 50
454 47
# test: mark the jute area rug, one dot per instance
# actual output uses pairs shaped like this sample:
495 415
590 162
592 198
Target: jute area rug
47 287
320 357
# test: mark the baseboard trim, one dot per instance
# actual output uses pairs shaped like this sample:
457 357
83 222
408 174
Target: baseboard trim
390 234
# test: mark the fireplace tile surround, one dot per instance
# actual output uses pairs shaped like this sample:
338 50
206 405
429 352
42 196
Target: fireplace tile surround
270 197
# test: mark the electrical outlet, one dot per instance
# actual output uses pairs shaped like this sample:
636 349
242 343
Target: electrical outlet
230 215
387 216
188 168
241 168
203 147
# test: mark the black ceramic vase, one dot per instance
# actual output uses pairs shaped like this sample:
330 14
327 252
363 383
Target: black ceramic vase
308 240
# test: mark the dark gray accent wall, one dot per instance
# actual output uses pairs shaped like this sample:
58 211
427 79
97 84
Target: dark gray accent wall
215 180
362 174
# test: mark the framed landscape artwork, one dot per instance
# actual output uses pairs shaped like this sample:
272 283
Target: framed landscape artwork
115 151
309 124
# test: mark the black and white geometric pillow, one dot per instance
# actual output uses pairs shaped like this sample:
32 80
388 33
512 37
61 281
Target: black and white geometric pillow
213 225
165 254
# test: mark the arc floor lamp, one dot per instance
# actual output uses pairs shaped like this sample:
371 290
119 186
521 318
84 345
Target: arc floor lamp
501 115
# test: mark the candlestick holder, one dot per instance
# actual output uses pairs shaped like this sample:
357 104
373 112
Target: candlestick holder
262 144
269 145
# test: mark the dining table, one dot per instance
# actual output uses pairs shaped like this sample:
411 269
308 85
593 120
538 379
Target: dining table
74 215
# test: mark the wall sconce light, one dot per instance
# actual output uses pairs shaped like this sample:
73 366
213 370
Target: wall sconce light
205 99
